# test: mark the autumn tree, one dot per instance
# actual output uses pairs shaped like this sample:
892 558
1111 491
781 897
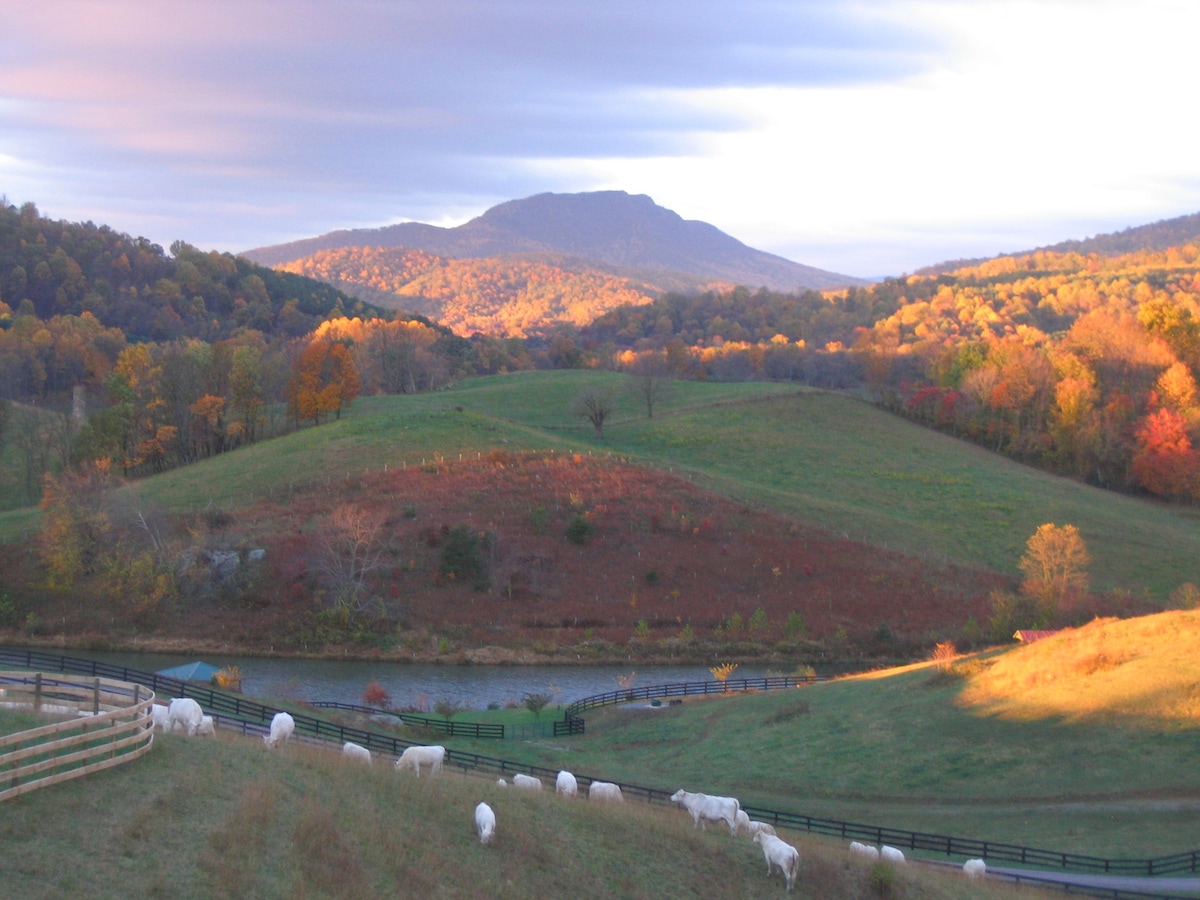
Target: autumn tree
75 525
1055 564
1165 462
595 405
325 380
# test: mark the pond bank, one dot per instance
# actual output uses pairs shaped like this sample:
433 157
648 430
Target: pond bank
704 654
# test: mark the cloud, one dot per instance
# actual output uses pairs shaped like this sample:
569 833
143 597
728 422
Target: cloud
859 136
381 101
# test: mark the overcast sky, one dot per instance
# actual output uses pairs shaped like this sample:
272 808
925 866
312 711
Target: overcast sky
868 138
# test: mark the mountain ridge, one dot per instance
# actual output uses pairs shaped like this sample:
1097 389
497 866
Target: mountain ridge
1160 235
614 228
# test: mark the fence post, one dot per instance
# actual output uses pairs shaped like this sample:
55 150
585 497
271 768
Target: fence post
37 692
95 696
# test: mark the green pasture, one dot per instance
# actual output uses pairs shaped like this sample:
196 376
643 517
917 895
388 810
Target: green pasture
898 751
227 818
827 459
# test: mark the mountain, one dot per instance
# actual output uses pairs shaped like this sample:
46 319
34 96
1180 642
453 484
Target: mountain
612 228
1158 235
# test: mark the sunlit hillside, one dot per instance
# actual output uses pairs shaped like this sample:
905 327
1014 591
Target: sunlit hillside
1142 672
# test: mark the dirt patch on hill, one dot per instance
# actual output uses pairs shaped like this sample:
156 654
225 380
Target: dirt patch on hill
654 568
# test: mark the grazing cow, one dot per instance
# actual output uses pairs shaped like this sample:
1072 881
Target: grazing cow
185 713
527 782
356 752
605 790
282 727
743 821
485 823
757 827
891 854
975 868
566 784
415 757
866 851
703 807
500 782
207 727
781 854
160 717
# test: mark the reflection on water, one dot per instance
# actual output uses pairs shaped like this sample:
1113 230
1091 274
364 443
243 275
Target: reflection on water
473 687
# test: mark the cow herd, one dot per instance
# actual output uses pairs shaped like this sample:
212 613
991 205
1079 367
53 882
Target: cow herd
184 714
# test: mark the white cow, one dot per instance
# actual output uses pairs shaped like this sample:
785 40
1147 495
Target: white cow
282 727
760 827
703 807
415 757
185 713
485 823
527 782
566 784
743 821
864 850
781 854
160 716
605 790
891 854
975 868
500 782
356 752
207 727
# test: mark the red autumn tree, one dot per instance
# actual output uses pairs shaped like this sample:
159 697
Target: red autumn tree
1164 461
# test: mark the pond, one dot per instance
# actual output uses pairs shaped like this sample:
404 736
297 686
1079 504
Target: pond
421 686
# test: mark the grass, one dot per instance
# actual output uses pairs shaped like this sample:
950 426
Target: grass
973 754
226 818
827 459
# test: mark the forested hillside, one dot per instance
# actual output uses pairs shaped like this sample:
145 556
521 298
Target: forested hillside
1086 365
114 351
500 296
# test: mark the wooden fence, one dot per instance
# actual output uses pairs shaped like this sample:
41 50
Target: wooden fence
109 723
252 718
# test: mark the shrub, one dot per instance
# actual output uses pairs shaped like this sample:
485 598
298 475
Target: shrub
795 625
642 630
535 703
579 531
723 672
1186 596
376 695
758 621
882 879
462 556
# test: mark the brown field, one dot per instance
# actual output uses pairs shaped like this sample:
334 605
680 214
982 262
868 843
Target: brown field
662 552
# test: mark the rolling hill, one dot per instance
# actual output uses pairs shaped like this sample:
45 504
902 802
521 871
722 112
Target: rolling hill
1158 235
607 228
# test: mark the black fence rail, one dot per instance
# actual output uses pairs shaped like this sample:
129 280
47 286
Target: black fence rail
251 717
485 730
573 722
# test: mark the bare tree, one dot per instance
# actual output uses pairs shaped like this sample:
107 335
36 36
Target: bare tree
651 377
595 405
353 548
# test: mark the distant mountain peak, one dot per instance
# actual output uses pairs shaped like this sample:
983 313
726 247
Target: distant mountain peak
612 228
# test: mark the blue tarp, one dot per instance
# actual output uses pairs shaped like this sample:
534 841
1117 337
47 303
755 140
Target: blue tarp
193 671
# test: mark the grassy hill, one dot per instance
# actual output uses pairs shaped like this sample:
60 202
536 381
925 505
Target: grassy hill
1084 742
226 818
826 459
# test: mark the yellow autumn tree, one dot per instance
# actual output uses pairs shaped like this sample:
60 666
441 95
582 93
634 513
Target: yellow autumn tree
1055 565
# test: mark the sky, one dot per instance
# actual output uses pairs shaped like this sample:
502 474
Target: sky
868 138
